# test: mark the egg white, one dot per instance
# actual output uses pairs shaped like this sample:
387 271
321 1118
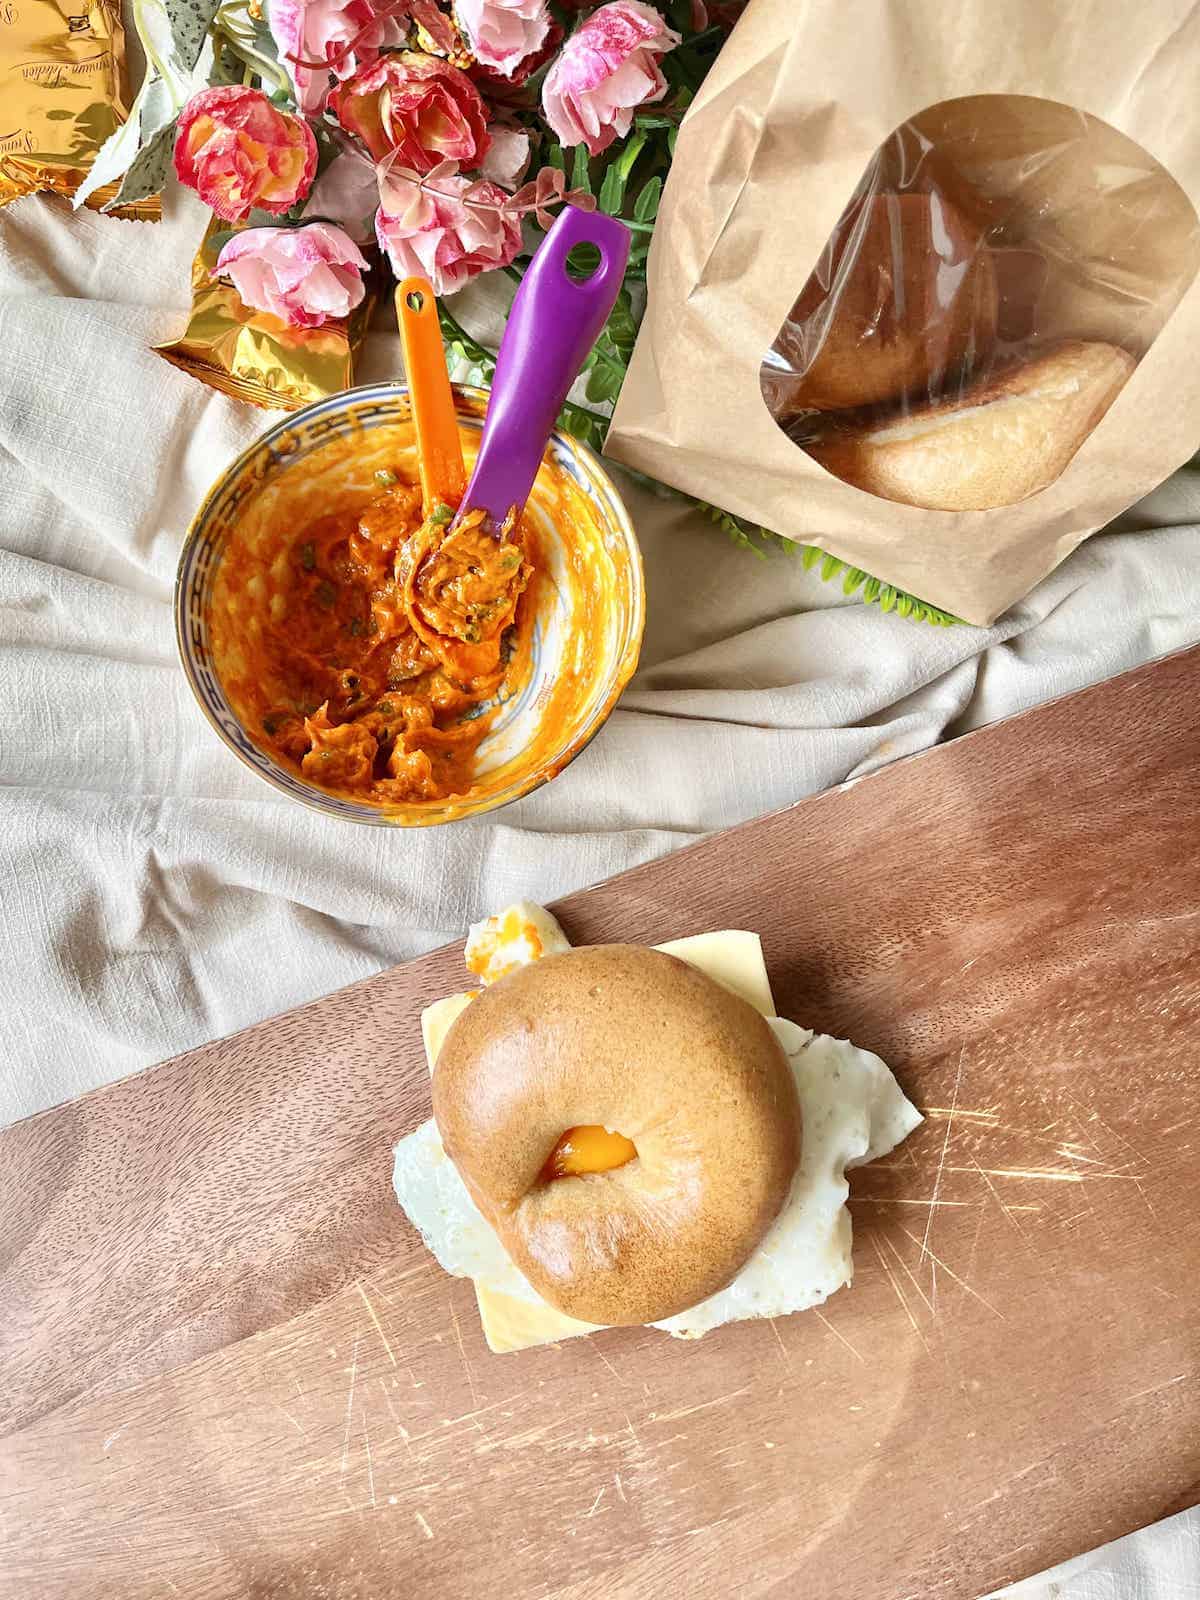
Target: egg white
854 1111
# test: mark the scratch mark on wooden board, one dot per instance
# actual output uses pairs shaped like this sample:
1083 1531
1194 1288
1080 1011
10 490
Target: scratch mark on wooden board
937 1183
909 1273
703 1405
378 1326
367 1447
892 1279
349 1409
1153 1389
950 1273
462 1350
841 1339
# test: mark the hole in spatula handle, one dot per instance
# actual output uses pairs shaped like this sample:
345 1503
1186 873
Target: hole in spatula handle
583 262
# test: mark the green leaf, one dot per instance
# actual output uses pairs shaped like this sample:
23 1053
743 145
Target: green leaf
616 177
190 21
646 209
809 556
581 177
746 535
621 329
629 152
147 172
214 243
612 192
556 157
580 423
604 381
853 578
830 568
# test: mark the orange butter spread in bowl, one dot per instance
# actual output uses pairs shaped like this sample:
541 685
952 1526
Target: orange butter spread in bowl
383 644
387 666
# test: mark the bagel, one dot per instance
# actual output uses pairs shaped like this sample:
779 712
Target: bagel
997 443
903 297
628 1039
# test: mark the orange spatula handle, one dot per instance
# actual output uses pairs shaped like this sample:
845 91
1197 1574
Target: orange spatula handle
443 476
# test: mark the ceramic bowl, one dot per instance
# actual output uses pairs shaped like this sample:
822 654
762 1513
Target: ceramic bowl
599 641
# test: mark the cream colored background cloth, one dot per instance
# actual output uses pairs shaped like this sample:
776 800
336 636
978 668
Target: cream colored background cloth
156 894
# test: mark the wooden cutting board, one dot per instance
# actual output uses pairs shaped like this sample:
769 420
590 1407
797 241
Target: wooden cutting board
229 1368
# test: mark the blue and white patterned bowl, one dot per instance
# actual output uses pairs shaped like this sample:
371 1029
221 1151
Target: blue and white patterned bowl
603 640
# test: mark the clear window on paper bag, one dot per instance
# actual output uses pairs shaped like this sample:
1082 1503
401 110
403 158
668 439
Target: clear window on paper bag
1000 270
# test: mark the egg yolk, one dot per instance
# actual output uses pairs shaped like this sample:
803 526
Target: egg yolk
588 1148
481 959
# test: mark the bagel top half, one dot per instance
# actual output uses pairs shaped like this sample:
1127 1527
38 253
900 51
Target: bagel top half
644 1045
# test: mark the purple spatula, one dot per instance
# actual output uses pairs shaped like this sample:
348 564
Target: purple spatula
553 324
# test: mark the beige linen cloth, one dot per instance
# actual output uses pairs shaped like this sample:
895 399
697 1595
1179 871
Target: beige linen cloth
156 893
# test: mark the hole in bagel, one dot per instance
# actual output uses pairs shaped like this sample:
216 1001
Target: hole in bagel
587 1148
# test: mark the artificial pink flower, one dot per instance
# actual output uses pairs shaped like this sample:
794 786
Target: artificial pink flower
508 158
501 87
239 151
417 108
345 35
607 68
503 33
448 233
304 276
347 192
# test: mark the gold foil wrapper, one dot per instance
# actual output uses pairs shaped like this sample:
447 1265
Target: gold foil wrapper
62 93
253 355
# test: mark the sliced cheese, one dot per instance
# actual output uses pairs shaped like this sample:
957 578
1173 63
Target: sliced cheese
733 958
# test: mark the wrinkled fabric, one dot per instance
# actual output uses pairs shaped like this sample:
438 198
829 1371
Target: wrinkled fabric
157 894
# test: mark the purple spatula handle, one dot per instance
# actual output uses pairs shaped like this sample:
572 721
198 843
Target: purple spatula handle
553 324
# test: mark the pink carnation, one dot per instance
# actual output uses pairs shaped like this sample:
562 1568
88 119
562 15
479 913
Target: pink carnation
344 35
447 234
607 68
239 151
304 276
416 107
503 33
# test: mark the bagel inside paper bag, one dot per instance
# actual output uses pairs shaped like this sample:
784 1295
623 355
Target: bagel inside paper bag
926 298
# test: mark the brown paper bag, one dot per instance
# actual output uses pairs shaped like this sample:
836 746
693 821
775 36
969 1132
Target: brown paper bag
923 286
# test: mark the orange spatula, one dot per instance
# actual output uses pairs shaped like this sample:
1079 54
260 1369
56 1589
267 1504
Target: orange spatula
443 476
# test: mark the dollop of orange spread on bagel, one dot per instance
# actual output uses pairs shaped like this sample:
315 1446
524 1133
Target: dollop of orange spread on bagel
588 1148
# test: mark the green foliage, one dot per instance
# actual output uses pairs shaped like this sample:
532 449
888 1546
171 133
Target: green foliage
761 542
190 21
147 172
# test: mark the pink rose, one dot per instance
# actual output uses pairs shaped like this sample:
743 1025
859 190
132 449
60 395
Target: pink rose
416 107
304 276
607 68
503 33
347 192
447 234
345 35
239 151
508 158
